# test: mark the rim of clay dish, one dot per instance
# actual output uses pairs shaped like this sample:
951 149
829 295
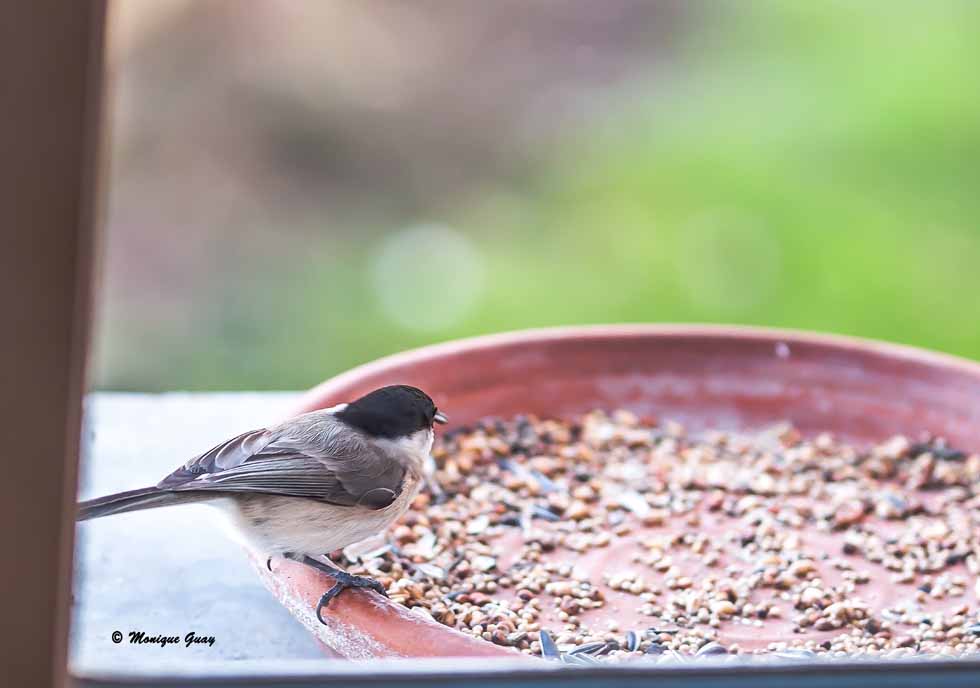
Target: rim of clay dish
362 625
578 332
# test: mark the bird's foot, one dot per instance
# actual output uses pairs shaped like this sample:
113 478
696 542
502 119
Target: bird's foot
346 580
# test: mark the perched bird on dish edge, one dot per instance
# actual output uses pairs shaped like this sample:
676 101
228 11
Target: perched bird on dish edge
311 485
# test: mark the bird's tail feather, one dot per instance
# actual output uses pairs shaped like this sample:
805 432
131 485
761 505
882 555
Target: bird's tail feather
134 500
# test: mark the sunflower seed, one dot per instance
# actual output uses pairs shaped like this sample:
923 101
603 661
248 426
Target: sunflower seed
544 482
632 641
588 649
548 648
538 511
711 648
581 660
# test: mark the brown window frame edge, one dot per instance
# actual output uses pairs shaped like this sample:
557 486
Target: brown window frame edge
53 67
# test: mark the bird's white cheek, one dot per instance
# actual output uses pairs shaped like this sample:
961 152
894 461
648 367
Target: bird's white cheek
420 443
416 446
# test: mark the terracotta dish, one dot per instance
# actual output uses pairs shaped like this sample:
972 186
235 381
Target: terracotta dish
703 376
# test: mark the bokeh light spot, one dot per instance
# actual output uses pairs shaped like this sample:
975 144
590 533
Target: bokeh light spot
427 277
728 261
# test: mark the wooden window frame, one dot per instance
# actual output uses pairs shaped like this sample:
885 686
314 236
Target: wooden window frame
50 104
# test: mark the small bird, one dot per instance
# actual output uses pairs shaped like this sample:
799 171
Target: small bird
310 485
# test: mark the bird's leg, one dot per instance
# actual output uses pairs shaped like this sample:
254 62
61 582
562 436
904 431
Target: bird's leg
344 580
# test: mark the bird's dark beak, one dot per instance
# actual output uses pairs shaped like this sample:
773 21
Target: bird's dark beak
440 418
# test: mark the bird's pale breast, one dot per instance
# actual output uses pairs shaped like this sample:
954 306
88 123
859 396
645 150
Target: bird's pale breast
273 525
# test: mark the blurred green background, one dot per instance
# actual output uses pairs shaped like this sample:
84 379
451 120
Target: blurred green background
296 189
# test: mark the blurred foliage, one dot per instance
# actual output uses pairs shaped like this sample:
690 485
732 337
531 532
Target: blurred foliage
808 165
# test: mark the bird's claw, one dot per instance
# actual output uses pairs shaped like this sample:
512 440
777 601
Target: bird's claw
344 581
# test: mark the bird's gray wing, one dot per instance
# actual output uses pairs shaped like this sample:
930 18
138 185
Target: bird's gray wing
345 471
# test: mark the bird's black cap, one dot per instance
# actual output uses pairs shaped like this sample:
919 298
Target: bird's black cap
392 412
